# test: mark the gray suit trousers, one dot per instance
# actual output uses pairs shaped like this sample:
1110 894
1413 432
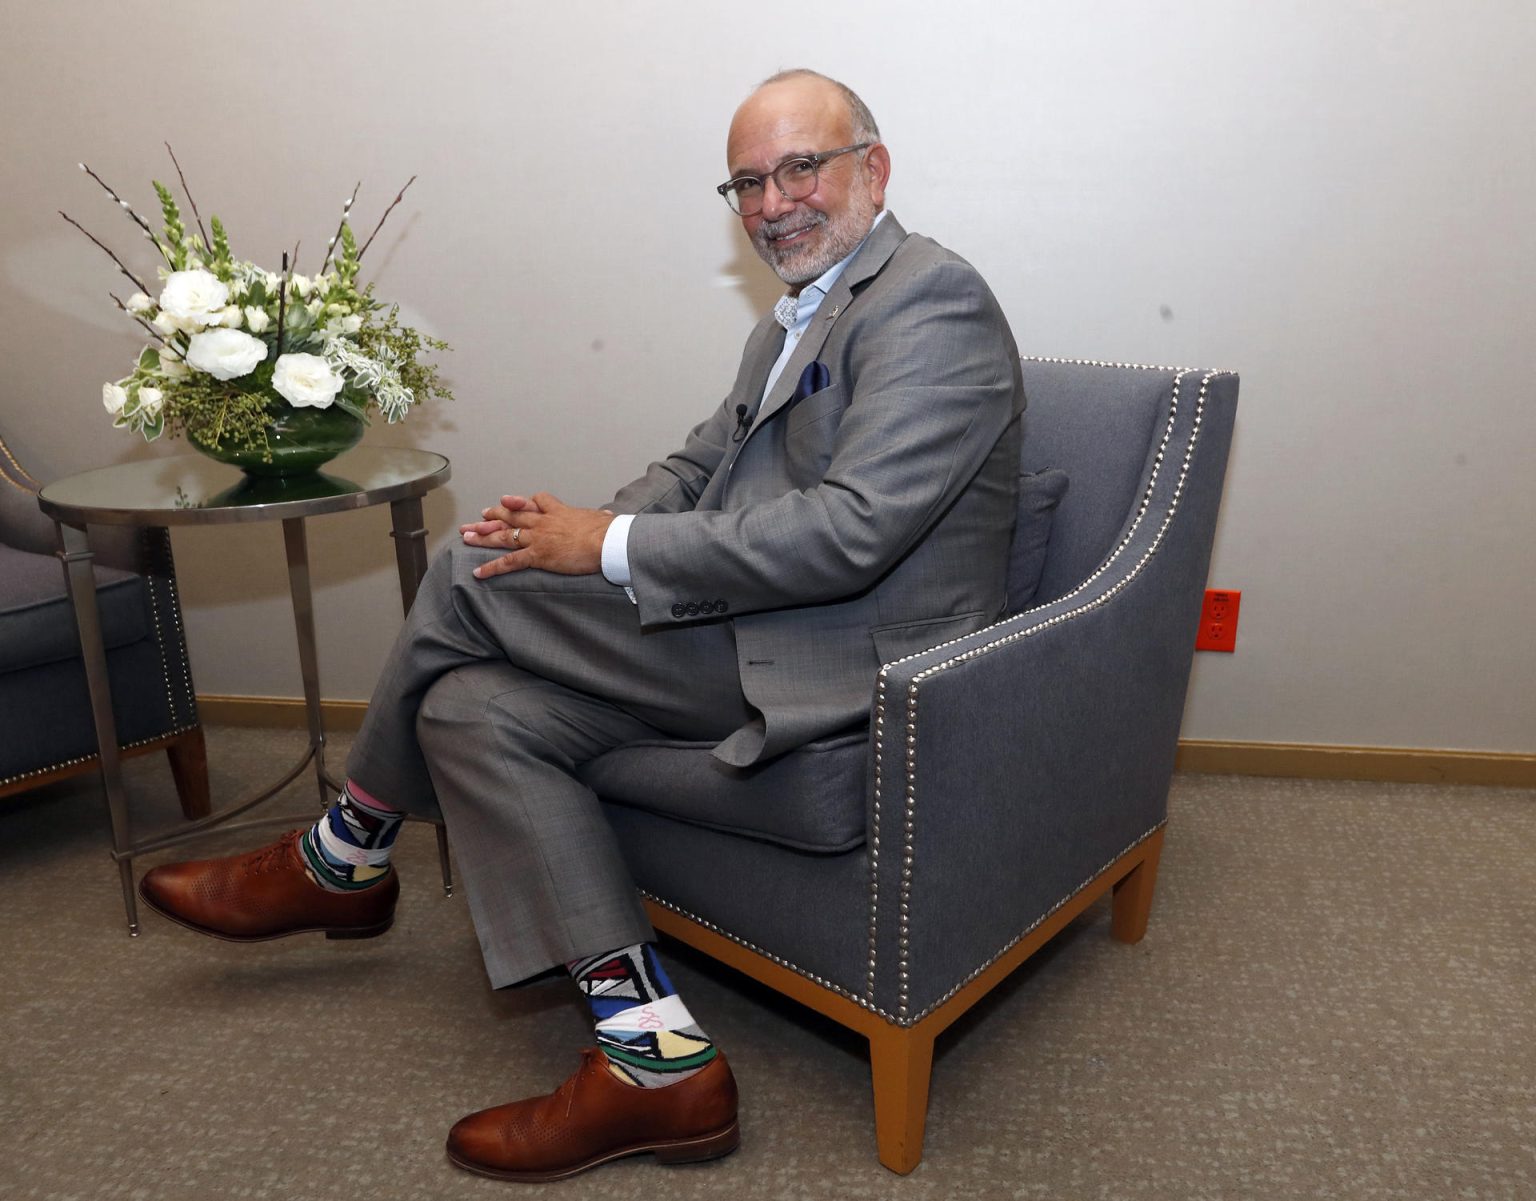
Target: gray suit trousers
494 694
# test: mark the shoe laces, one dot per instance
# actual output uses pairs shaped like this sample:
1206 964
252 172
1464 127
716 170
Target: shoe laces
270 856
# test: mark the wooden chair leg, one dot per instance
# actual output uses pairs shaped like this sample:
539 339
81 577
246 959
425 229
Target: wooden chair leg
901 1064
1133 894
189 767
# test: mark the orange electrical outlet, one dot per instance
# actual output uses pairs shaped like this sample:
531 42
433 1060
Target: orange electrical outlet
1218 621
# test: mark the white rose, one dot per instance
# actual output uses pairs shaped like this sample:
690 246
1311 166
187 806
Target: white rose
194 297
150 400
225 353
114 397
306 381
139 303
256 320
231 315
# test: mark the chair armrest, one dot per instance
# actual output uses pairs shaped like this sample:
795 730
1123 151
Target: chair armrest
1009 767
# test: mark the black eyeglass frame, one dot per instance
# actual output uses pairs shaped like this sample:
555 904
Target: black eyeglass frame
816 161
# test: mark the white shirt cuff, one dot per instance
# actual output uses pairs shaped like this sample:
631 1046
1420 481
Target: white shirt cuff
616 550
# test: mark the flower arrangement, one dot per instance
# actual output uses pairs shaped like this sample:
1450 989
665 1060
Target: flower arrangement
235 345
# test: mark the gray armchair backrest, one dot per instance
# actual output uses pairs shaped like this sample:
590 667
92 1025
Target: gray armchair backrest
1101 424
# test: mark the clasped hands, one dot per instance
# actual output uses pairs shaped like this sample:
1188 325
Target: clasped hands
539 531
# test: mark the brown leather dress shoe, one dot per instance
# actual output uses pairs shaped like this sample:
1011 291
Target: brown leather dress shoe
266 894
594 1117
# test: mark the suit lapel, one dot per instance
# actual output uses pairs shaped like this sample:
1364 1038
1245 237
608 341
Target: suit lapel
872 256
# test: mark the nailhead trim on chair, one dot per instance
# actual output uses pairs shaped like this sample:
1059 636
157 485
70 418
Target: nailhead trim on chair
769 955
127 746
908 829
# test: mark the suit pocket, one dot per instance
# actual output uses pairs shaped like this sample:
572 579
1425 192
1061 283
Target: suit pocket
818 406
904 638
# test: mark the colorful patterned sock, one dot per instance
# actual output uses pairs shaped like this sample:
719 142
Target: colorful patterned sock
349 847
643 1027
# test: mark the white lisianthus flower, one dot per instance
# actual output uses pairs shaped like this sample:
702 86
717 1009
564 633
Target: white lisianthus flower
301 284
351 324
256 320
231 315
225 353
194 297
306 381
150 400
139 303
114 397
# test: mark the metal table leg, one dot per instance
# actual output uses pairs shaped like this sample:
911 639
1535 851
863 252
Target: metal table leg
410 534
297 546
75 554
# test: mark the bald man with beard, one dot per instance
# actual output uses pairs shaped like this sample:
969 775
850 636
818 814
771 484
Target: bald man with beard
849 502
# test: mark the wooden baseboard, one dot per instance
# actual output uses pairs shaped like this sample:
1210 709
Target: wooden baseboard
1400 765
278 712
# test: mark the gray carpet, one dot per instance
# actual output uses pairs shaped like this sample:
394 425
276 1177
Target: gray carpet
1336 999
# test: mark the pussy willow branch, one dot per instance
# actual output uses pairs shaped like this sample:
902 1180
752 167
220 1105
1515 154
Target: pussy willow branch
148 328
384 218
133 279
127 208
330 247
282 305
188 193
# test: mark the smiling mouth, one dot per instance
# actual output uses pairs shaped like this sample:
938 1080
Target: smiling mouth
791 236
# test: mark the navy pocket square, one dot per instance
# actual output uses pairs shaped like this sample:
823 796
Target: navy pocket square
813 379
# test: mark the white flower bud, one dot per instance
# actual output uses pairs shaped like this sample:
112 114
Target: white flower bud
113 398
150 401
139 303
256 320
301 284
231 316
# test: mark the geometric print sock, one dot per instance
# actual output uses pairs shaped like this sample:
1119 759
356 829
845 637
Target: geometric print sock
348 849
643 1027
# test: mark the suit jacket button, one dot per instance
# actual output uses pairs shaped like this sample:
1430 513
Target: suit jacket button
721 606
678 610
706 607
693 608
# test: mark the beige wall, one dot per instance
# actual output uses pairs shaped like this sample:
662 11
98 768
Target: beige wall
1334 199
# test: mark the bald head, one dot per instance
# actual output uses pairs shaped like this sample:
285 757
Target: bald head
798 114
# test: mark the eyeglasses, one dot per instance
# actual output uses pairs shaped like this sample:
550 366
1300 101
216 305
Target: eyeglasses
795 178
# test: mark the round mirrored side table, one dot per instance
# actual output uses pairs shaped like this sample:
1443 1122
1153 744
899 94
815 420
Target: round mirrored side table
192 490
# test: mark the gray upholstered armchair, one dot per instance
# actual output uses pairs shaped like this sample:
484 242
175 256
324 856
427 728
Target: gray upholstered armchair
49 733
890 877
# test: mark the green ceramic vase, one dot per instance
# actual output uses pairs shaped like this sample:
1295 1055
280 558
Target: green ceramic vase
301 441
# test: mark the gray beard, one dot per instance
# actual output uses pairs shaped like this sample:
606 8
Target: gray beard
798 266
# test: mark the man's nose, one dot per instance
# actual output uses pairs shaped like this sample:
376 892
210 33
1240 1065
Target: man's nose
775 203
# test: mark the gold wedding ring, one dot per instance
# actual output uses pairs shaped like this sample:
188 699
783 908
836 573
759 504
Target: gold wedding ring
517 535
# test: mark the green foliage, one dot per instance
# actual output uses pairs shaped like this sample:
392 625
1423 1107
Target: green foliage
221 264
175 231
387 339
347 265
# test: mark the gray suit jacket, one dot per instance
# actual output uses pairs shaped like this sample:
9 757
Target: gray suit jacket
859 524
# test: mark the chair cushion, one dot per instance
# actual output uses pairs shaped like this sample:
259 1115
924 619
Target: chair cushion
1039 494
811 799
37 620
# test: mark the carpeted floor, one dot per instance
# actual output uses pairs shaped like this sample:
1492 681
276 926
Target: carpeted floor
1337 998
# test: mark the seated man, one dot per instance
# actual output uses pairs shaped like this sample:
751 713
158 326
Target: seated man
859 477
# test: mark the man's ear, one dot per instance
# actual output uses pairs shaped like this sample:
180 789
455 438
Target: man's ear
877 171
